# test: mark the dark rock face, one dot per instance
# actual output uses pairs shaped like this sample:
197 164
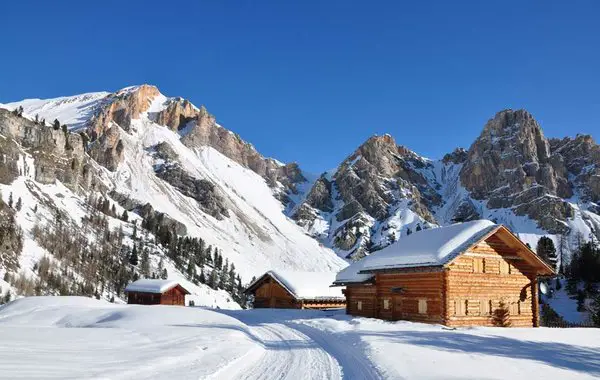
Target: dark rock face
155 220
319 196
202 190
57 155
11 239
580 156
458 156
512 164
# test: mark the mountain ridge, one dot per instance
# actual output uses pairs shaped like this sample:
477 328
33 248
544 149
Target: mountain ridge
168 157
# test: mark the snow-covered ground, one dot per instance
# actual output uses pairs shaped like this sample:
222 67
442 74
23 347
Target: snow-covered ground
75 338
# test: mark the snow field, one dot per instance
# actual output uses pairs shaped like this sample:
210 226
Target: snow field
76 337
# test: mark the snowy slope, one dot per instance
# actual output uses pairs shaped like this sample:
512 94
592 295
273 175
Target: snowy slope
256 237
71 110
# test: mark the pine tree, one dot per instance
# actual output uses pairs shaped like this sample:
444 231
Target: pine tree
113 211
19 204
133 258
35 208
56 125
408 231
145 262
191 269
124 216
501 317
164 274
418 227
213 279
595 310
161 266
202 276
546 250
10 200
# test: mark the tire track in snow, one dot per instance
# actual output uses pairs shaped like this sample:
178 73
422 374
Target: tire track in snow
355 364
288 354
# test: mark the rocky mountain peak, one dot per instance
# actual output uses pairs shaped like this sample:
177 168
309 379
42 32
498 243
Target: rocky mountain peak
511 165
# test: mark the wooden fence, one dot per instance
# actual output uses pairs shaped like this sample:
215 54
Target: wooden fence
565 324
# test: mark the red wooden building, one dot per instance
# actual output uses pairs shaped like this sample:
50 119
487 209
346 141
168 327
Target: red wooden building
296 290
459 275
156 292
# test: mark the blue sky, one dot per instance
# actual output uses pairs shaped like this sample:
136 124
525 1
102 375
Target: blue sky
309 81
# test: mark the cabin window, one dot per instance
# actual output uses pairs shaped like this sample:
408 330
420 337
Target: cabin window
473 307
359 305
477 265
459 308
422 306
386 304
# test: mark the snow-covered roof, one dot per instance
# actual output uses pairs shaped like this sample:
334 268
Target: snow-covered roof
148 285
305 285
431 247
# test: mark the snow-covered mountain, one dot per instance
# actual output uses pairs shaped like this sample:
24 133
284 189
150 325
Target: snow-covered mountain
171 168
156 158
511 174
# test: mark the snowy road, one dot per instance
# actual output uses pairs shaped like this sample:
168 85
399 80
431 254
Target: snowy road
297 351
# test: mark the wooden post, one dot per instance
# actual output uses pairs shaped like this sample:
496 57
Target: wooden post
445 300
535 302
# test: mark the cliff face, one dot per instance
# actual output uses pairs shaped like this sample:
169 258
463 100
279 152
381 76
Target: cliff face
57 154
370 199
511 165
511 173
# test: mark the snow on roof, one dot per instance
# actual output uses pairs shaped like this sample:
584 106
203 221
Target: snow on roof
307 285
148 285
431 247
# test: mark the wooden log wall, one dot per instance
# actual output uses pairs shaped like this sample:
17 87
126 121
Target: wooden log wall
272 295
478 280
173 297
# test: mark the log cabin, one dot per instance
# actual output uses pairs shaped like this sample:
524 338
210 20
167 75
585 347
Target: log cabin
296 290
156 292
465 274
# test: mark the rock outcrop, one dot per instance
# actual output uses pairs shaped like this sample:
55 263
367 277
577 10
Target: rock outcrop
511 165
57 154
202 190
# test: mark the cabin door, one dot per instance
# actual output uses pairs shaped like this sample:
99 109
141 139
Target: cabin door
396 308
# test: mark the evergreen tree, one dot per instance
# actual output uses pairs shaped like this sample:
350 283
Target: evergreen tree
191 269
501 317
133 258
213 279
19 204
35 208
113 211
595 310
10 200
145 262
56 125
202 276
161 266
408 231
65 129
125 216
164 275
546 250
418 227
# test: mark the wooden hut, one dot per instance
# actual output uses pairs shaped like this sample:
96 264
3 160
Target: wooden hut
296 290
156 292
473 273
